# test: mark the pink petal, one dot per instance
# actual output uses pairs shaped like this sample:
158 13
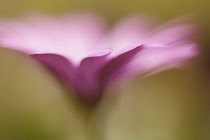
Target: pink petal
87 84
83 79
59 65
128 33
72 36
118 65
161 58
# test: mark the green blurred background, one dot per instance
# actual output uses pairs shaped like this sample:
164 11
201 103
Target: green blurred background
172 105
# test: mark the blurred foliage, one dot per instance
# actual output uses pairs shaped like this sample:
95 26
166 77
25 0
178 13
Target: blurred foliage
32 104
161 107
111 8
172 105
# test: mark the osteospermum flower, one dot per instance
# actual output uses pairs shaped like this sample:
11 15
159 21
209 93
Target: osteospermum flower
88 58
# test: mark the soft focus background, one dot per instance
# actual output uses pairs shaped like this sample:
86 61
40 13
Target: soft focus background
171 105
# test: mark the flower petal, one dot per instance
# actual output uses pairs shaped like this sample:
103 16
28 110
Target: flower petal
128 33
118 65
161 58
131 31
172 32
71 36
61 66
87 83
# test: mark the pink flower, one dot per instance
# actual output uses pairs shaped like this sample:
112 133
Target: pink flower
79 50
